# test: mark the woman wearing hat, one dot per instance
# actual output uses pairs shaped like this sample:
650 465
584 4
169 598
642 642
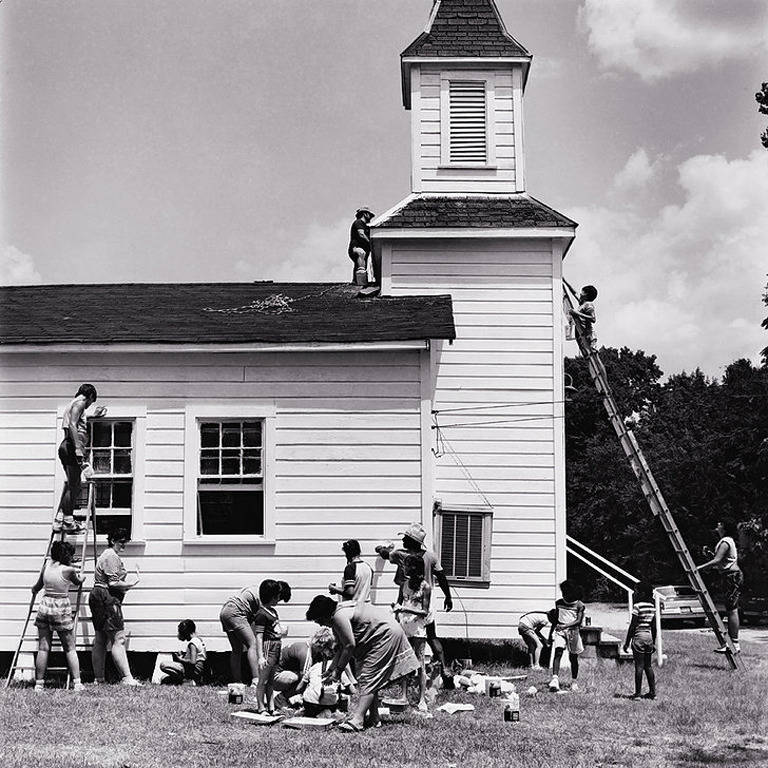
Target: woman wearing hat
375 641
360 244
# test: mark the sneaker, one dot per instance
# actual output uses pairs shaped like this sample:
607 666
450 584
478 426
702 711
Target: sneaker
648 695
575 687
724 648
423 706
77 686
71 527
132 681
39 688
554 683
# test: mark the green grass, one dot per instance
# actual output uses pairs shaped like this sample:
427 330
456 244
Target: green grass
704 716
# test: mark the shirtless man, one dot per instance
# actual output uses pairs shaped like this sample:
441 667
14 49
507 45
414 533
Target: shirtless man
72 455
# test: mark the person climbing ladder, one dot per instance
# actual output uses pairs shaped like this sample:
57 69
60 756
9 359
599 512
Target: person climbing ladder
72 455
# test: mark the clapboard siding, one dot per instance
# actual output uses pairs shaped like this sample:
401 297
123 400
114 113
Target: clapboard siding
431 172
494 390
347 463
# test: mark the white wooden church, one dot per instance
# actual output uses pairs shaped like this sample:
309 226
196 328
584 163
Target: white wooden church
252 427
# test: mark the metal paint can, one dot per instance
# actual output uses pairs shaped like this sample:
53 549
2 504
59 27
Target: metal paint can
494 689
236 693
511 715
587 621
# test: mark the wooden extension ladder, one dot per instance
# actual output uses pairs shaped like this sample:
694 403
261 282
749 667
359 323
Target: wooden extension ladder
28 636
648 484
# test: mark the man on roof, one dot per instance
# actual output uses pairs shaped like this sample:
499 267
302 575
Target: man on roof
360 245
413 544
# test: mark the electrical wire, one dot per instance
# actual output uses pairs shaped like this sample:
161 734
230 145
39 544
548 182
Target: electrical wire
501 421
513 404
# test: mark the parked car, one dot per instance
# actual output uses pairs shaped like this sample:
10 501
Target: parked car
680 604
754 609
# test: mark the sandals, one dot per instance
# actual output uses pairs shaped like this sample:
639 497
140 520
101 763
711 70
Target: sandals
349 727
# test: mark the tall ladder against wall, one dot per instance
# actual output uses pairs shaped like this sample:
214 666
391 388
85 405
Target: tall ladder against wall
648 485
28 635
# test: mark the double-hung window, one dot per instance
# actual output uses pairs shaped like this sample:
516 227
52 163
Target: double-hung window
228 492
111 452
464 543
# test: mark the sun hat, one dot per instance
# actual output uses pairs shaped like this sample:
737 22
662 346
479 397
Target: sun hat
416 532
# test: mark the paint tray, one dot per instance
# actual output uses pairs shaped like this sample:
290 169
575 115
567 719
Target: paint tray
317 723
452 708
257 718
395 706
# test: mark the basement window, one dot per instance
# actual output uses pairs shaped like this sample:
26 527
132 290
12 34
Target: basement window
464 543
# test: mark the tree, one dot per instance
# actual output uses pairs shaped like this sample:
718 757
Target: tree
761 97
705 441
764 353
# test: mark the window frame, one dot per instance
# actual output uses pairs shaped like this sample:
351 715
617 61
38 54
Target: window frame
137 414
194 415
439 509
445 119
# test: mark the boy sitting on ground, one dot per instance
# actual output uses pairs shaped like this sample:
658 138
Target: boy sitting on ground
188 665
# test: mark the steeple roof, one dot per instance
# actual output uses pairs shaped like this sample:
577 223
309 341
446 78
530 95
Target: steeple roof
465 28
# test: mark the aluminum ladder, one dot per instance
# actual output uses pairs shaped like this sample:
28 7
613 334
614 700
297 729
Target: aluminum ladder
18 662
648 485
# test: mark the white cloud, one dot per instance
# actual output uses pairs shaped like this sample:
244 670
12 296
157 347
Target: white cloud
17 268
685 281
320 256
659 38
636 173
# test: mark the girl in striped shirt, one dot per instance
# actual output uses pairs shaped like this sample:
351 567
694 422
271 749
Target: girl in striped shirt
642 635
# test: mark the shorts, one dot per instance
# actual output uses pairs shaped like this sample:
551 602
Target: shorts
531 639
569 639
72 469
729 588
106 610
55 614
642 643
232 618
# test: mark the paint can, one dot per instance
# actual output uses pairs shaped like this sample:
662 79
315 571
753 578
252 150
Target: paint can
494 689
512 709
587 621
235 693
343 703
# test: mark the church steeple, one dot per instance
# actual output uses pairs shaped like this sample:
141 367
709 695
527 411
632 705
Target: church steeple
463 80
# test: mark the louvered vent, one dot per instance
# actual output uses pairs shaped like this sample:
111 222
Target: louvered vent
461 545
467 105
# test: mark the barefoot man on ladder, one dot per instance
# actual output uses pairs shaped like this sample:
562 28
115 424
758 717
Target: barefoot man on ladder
72 455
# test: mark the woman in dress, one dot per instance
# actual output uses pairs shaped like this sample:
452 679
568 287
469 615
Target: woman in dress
378 645
106 604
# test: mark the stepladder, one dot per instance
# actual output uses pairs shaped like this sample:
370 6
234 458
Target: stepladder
23 662
647 482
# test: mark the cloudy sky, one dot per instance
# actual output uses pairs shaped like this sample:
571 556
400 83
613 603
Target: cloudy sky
168 140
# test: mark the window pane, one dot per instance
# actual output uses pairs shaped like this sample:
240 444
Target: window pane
252 434
102 433
122 463
230 512
105 523
104 494
230 462
251 462
230 436
209 435
123 433
122 492
102 464
209 462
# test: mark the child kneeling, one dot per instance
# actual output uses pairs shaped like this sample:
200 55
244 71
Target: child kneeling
188 665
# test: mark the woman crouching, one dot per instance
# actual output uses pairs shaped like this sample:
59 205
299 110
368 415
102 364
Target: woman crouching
378 645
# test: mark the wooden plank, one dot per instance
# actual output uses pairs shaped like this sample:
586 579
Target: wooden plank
322 484
370 438
341 452
473 270
356 468
342 420
496 254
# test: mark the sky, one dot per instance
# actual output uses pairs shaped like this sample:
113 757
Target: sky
189 140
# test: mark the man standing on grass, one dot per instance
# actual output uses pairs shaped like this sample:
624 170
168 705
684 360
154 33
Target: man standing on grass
72 455
413 544
358 575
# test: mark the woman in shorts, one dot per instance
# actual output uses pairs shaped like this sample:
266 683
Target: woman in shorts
106 604
54 613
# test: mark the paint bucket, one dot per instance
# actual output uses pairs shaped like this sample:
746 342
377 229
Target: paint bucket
494 689
343 703
587 621
512 709
235 693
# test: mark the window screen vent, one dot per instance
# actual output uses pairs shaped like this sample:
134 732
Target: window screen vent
467 116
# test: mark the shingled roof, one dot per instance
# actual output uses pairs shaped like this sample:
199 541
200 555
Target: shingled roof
211 313
474 211
465 28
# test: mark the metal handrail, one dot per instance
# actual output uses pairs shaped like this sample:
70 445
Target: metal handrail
658 598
